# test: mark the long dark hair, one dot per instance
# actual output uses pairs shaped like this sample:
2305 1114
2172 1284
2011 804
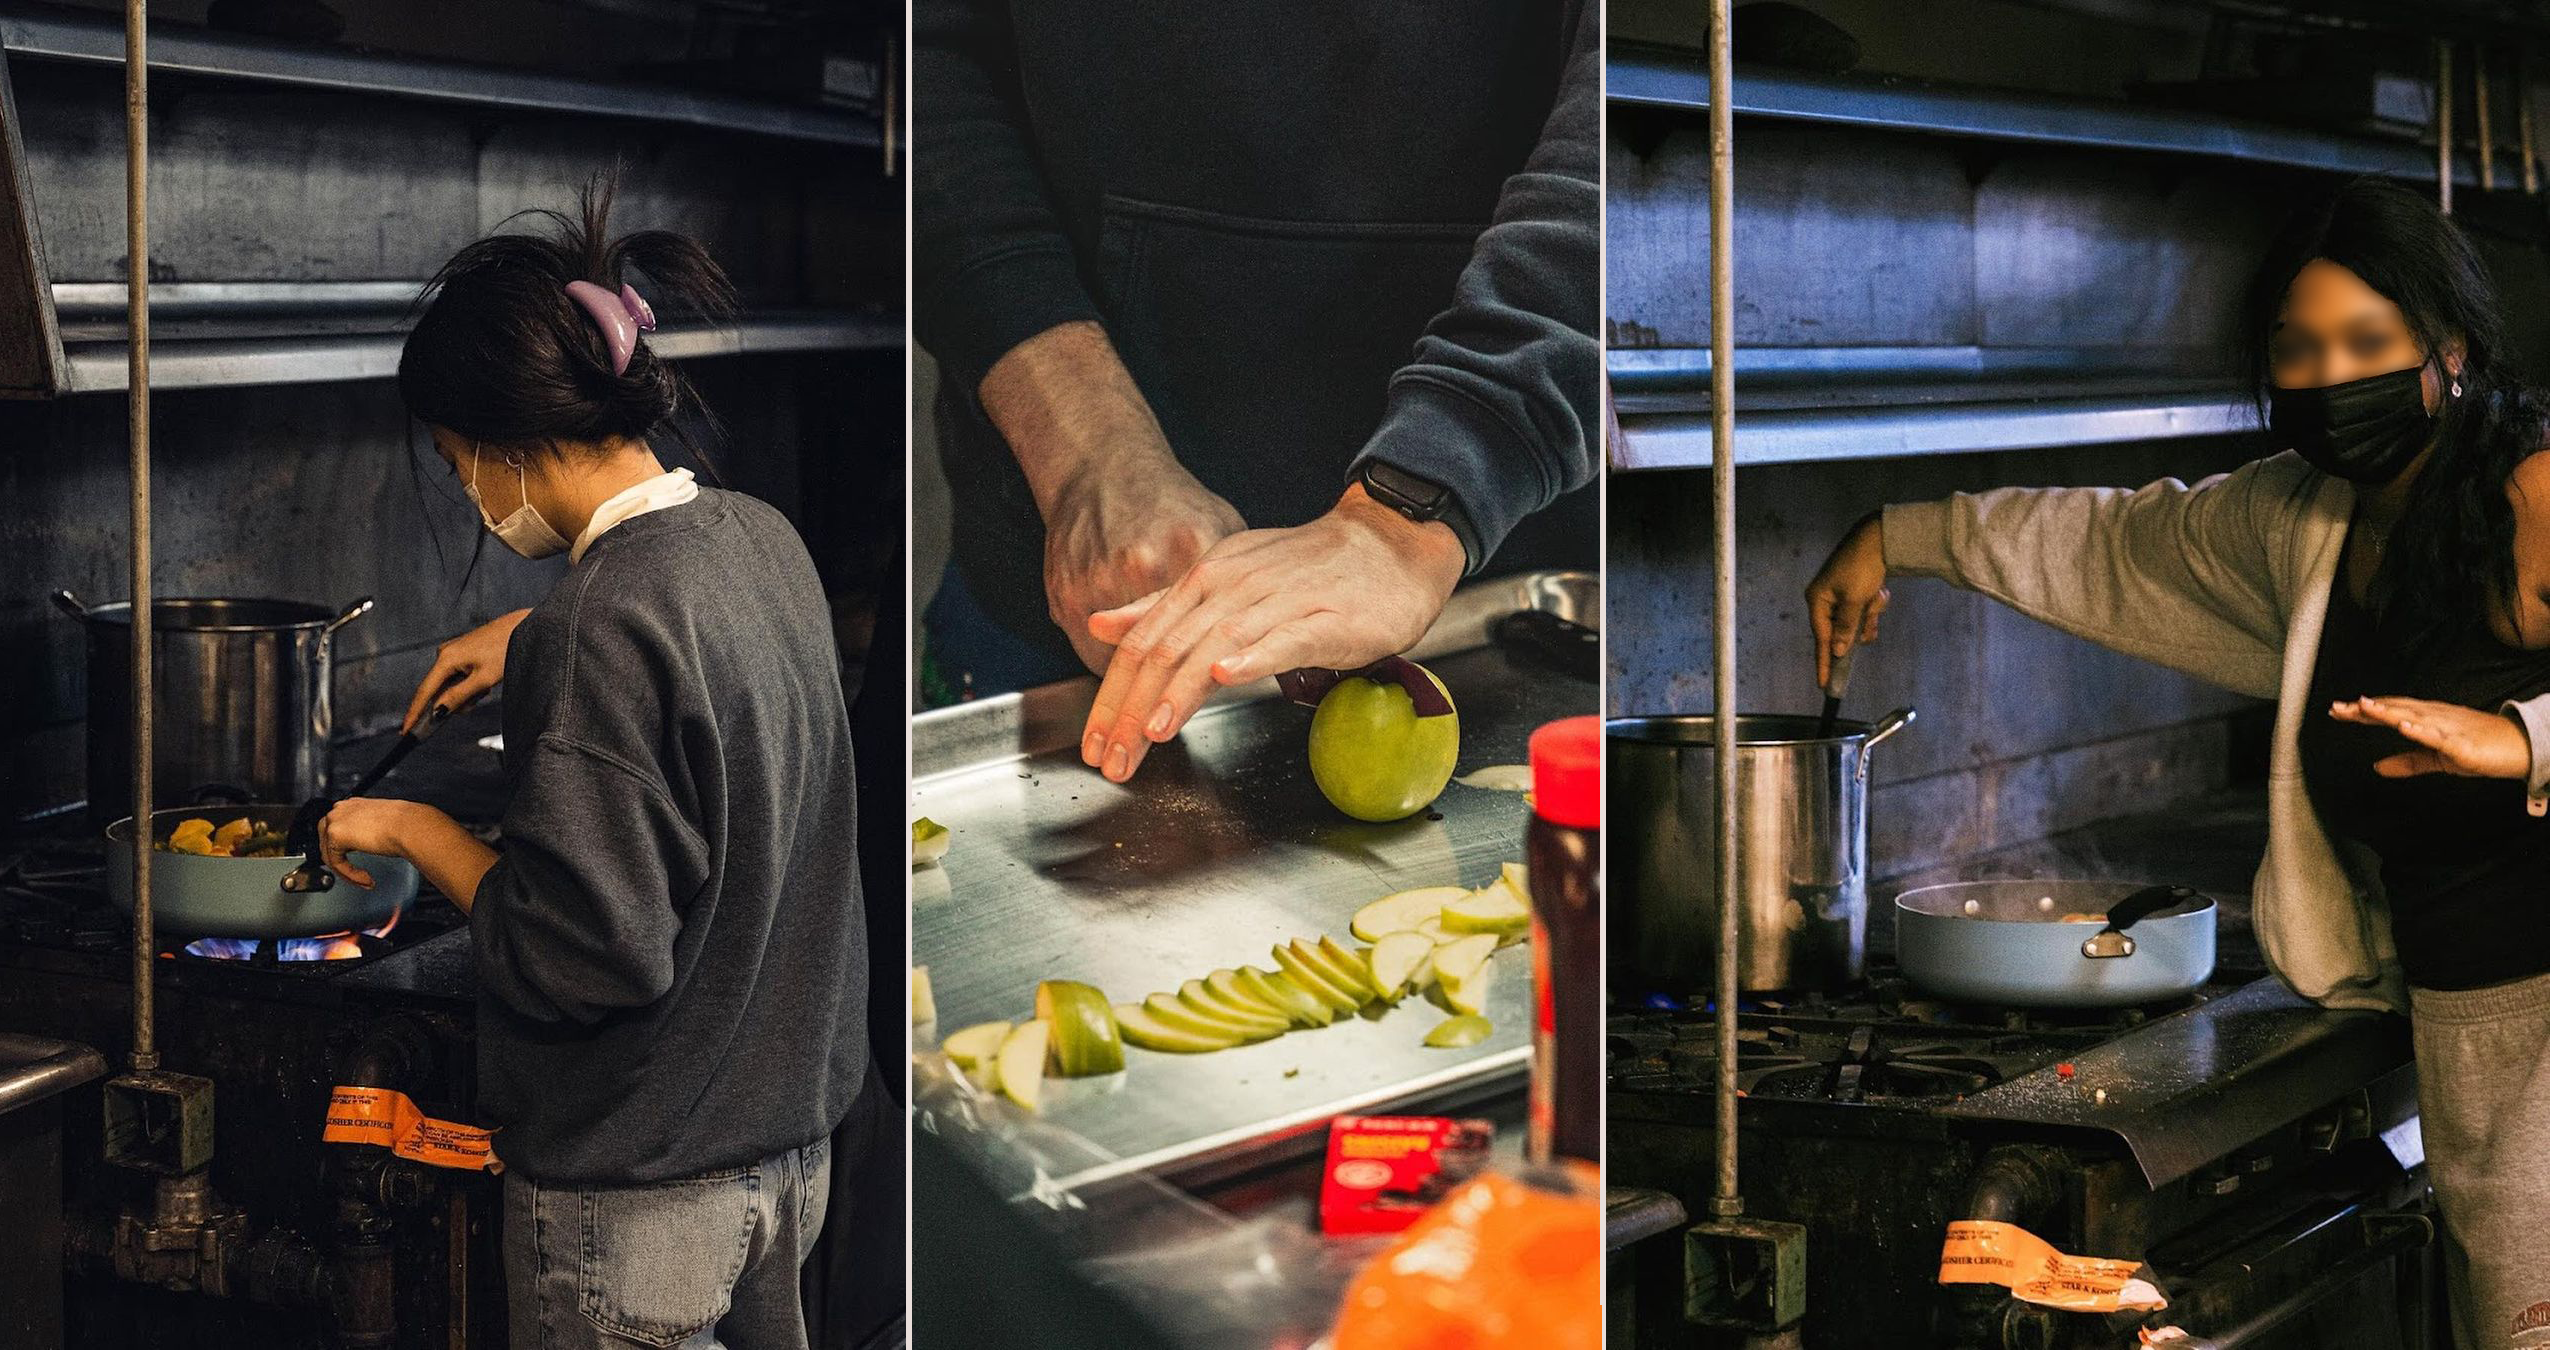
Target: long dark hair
502 355
2451 559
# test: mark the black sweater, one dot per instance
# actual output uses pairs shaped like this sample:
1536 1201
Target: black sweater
1317 231
672 964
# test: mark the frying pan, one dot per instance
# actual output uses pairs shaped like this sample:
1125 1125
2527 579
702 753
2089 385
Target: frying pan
201 896
2007 942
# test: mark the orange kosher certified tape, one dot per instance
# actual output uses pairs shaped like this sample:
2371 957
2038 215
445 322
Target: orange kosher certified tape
1986 1251
369 1115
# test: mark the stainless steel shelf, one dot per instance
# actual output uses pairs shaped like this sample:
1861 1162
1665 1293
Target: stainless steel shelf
1665 77
55 35
98 365
1680 438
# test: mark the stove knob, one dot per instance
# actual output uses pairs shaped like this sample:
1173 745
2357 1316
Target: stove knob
2218 1179
2251 1161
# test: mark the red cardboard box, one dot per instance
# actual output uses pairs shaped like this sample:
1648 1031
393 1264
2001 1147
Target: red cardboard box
1385 1171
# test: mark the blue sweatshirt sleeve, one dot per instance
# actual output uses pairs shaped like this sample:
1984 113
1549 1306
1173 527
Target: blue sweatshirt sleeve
1501 400
580 915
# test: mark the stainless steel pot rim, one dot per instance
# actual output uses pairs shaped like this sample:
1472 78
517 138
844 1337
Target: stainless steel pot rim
1946 900
1699 729
172 615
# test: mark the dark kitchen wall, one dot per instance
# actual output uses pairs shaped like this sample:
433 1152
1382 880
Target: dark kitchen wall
324 492
1868 238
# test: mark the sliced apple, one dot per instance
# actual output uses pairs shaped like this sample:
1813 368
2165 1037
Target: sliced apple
1197 995
1294 957
1518 878
1456 1032
1468 993
1433 928
1395 959
1149 1032
974 1044
1494 908
1298 1003
1462 956
1400 911
1085 1043
1358 976
1022 1063
1226 988
925 1007
929 842
1186 1017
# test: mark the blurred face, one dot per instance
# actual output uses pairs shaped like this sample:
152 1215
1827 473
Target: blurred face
2335 329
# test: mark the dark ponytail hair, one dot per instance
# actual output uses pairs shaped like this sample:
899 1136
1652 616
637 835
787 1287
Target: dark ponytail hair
2450 564
503 355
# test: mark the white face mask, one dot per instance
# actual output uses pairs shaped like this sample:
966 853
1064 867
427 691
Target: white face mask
524 531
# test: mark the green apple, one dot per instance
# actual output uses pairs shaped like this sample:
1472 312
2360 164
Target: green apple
1149 1032
1371 754
1295 958
1403 911
1394 961
975 1044
1305 1008
1464 1030
1022 1063
1085 1043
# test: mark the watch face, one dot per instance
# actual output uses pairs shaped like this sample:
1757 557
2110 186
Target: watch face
1402 491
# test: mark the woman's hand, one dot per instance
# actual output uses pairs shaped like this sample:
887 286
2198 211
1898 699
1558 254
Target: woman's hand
1846 597
464 668
2450 738
452 859
369 825
1359 583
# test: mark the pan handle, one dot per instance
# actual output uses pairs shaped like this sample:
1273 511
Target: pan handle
70 604
346 615
1887 726
2112 941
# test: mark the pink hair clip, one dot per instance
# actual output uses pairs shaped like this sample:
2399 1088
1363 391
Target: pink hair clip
620 317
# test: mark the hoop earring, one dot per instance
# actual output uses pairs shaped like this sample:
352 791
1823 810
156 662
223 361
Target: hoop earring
2457 389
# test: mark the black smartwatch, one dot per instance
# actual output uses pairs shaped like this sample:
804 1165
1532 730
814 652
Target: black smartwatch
1419 499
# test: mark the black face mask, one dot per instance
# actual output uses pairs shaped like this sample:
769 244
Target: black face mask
2364 430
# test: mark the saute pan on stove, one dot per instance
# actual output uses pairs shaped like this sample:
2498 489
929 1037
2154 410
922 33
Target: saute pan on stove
2055 944
200 896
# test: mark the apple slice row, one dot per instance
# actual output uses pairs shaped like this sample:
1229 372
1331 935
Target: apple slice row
1502 907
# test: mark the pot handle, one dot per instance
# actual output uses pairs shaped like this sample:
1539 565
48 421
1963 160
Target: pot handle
1887 726
345 616
70 604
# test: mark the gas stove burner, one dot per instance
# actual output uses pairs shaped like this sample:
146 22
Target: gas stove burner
1861 1064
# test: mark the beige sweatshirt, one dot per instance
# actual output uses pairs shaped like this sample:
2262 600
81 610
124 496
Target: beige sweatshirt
2227 580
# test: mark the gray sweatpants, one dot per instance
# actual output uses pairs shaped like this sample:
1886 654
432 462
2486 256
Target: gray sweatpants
700 1262
2483 1094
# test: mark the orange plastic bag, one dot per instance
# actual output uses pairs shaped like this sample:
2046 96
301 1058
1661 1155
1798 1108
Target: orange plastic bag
1500 1262
369 1115
1985 1251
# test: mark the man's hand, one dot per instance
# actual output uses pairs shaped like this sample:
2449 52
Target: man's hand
1122 517
464 668
1360 583
2450 738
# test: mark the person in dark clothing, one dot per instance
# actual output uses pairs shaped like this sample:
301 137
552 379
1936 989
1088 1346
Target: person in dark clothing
1260 327
670 949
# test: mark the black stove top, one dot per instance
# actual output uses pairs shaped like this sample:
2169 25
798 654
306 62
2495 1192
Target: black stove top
1879 1042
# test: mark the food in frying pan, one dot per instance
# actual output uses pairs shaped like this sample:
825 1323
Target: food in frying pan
2077 916
245 837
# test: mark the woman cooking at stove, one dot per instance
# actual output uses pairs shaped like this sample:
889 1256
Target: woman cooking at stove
2387 580
670 954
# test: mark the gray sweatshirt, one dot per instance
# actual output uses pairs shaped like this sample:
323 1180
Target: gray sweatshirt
672 964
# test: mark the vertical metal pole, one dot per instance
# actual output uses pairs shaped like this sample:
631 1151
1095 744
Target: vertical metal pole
2523 121
2444 124
1728 1201
137 403
2479 91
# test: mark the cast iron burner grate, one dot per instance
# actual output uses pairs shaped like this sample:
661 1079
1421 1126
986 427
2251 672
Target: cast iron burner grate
1880 1043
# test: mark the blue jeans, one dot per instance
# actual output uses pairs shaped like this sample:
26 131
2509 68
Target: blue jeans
698 1262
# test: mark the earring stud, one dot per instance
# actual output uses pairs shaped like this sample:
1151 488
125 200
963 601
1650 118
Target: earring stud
2457 389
